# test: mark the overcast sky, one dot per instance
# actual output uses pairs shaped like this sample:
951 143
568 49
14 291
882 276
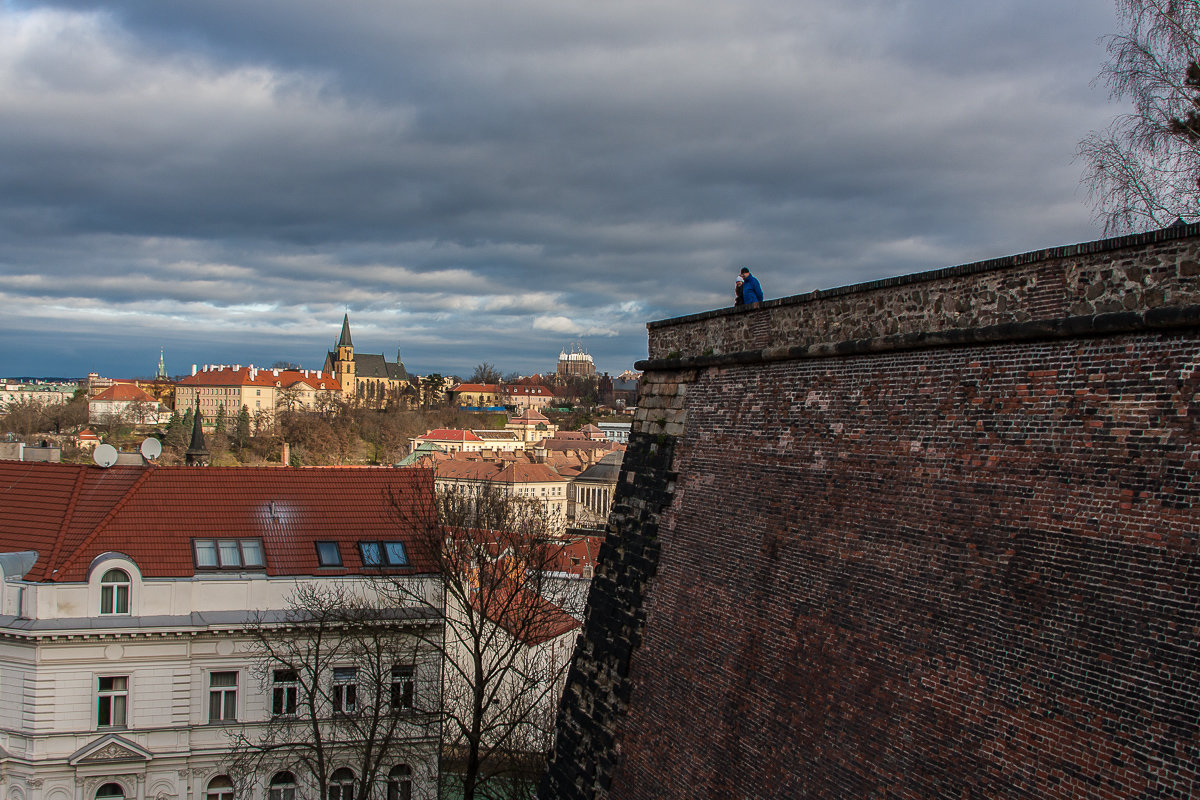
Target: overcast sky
477 181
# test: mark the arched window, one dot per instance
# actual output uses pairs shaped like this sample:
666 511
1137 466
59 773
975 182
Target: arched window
220 788
341 784
114 592
399 786
110 791
283 787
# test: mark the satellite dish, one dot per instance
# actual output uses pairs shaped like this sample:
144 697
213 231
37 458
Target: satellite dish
151 449
105 455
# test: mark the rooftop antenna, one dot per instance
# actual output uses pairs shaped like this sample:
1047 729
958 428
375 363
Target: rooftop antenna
151 449
105 455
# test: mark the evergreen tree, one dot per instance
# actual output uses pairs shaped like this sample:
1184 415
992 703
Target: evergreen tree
176 434
219 425
242 433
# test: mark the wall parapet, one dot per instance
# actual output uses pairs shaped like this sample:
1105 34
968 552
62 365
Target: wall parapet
1143 271
1113 324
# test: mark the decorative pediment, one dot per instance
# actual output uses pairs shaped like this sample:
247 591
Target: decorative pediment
107 749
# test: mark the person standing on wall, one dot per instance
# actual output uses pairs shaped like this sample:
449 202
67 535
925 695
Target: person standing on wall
751 289
738 298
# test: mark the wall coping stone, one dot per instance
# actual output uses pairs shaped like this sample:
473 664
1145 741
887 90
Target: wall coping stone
1005 262
1111 324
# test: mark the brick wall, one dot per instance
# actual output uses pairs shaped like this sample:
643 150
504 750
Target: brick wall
951 561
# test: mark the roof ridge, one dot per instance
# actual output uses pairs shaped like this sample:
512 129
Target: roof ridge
66 521
117 506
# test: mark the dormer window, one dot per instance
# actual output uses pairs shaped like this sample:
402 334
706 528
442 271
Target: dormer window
228 553
114 592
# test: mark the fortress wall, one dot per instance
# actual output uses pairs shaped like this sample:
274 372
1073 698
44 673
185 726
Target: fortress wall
959 562
1130 273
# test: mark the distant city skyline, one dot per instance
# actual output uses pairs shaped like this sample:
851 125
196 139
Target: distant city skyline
489 182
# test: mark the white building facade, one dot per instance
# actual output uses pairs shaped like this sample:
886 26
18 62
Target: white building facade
130 601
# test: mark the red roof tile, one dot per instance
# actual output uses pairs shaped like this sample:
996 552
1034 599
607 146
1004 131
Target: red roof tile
524 614
263 377
450 435
71 513
125 393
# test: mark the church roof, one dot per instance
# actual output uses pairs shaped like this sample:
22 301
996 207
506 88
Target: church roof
370 365
345 341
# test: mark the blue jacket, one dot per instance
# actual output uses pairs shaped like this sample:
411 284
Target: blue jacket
751 290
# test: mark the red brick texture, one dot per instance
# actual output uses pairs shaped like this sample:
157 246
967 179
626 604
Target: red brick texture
958 573
932 564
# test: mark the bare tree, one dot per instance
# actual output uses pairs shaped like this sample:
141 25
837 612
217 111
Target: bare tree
509 633
352 694
485 373
1145 168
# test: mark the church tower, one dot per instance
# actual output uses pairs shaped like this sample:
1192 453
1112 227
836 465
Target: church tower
344 363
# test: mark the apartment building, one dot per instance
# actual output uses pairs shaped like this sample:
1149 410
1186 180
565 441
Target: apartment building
263 392
129 601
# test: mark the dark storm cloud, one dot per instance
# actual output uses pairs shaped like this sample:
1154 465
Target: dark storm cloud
478 181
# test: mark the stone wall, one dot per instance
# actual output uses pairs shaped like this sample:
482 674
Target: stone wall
943 553
1146 271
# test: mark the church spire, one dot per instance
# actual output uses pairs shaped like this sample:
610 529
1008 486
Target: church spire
161 375
345 340
197 454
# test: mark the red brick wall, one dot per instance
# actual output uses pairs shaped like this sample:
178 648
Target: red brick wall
951 573
952 561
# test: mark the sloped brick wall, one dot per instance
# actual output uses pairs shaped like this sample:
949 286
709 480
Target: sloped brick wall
961 562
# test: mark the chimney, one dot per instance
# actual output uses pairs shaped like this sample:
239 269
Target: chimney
286 455
193 369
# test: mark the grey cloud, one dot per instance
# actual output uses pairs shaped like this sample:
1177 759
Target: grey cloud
447 171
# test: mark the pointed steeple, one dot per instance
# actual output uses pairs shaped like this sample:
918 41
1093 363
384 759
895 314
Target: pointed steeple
161 375
197 454
343 366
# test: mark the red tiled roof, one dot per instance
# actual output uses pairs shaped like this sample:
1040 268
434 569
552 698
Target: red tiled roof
574 555
263 377
477 387
125 393
560 443
536 391
528 473
450 435
70 513
524 614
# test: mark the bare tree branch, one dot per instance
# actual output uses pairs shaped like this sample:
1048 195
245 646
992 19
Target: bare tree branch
1144 169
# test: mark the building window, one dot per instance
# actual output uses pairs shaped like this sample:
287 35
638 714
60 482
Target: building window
341 785
114 592
228 553
285 691
112 701
282 787
399 785
328 554
403 687
345 690
219 788
110 791
222 696
379 554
